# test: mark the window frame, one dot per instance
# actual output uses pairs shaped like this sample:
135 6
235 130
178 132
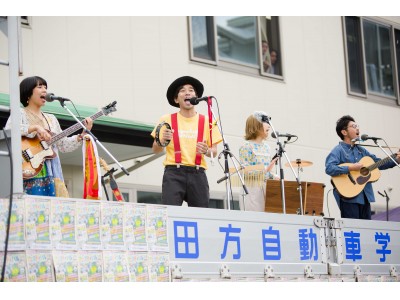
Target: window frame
191 44
372 96
232 65
26 21
396 64
262 72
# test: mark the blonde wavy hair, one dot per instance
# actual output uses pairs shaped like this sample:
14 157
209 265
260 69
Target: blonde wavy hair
253 128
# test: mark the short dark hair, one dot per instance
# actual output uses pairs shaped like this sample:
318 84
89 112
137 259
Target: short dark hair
276 51
342 124
180 87
26 88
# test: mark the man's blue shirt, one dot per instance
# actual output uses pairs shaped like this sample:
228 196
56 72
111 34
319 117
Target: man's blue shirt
345 153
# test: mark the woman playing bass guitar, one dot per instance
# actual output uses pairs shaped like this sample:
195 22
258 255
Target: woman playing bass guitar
36 124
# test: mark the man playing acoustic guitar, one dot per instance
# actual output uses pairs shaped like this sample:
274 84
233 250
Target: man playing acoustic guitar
353 169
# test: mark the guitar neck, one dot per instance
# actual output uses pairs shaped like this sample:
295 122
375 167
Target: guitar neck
73 128
381 162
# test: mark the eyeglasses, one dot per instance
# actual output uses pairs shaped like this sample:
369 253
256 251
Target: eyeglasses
355 126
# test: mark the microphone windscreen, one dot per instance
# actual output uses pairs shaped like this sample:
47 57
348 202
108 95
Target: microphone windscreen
364 136
194 101
273 134
49 97
259 115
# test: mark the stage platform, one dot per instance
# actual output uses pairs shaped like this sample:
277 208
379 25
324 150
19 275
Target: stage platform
53 239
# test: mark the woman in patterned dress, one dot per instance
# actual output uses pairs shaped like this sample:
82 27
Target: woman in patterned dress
256 151
49 181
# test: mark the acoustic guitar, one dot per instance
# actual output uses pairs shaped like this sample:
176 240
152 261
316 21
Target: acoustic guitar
113 184
35 151
351 184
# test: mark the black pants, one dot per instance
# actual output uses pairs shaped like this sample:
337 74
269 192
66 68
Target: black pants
185 184
355 210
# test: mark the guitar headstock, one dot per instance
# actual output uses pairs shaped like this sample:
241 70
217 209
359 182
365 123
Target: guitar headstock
109 108
103 163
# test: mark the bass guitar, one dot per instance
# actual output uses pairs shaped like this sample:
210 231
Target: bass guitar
35 151
351 184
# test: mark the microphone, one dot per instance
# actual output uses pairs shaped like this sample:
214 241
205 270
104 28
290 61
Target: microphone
195 100
288 135
365 137
261 116
50 98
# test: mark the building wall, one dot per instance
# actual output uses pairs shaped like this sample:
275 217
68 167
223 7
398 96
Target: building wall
93 60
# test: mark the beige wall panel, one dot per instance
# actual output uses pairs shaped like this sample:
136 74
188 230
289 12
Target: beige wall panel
94 60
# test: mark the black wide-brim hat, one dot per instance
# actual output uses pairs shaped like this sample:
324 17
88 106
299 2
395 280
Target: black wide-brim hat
196 84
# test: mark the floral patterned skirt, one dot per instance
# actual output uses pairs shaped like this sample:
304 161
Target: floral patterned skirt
44 185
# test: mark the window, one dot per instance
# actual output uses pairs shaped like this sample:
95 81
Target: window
378 58
270 46
397 45
126 192
25 20
370 59
354 55
243 43
236 38
220 204
148 197
125 196
202 38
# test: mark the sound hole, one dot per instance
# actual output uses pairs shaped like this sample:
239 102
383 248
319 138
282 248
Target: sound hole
364 171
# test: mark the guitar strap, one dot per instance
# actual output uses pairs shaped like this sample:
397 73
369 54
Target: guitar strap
33 119
48 124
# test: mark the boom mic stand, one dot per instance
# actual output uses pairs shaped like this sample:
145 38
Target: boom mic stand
387 154
92 135
386 195
281 151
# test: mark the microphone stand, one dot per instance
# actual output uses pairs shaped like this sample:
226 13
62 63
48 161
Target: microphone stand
387 154
103 183
387 203
281 151
92 135
227 178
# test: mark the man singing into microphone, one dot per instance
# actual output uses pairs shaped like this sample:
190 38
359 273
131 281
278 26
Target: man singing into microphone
350 154
190 140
